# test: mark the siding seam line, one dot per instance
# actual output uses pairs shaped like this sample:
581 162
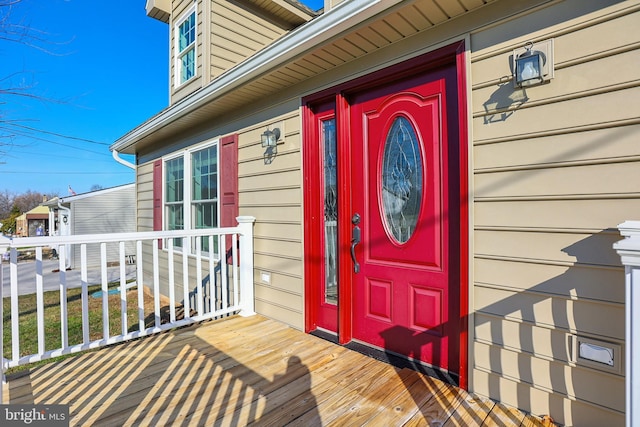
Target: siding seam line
277 239
270 172
546 390
279 273
548 262
487 285
550 359
559 131
553 165
259 190
270 254
276 288
602 90
277 222
620 13
557 230
275 304
273 205
569 330
558 197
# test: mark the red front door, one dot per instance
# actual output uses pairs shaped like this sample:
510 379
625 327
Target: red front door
402 295
385 213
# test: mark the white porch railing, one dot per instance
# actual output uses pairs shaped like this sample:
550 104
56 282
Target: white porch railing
629 251
212 286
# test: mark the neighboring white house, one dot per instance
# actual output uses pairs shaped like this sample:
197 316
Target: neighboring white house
110 210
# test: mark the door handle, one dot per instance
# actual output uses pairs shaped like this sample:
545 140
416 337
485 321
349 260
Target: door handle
355 239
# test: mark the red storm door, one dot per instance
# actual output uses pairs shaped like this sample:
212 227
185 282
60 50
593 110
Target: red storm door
404 207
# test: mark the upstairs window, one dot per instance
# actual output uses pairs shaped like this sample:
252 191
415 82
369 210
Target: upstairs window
185 63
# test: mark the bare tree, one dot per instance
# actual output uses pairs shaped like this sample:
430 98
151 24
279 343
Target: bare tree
6 203
14 29
29 200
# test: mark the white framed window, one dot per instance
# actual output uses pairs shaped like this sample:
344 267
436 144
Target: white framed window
185 47
191 191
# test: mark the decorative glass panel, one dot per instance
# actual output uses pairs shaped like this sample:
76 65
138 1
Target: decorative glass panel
401 180
330 211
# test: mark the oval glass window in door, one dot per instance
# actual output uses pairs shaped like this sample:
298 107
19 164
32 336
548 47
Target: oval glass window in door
401 189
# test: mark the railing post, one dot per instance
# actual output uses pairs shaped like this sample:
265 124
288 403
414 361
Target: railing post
629 251
3 249
247 302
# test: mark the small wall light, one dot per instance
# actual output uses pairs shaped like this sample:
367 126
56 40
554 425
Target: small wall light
270 138
533 66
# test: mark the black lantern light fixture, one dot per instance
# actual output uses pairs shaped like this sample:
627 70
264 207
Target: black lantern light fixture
529 67
269 138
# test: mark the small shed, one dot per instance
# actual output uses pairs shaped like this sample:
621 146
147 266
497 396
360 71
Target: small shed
110 210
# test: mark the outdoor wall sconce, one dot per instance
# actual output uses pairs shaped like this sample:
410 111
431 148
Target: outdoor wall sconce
532 67
270 138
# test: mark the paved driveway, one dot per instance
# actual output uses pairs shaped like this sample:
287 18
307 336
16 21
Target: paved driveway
51 279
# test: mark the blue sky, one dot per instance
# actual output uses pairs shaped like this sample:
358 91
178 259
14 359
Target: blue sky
103 73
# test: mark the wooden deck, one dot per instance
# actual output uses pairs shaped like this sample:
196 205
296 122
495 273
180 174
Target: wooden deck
242 371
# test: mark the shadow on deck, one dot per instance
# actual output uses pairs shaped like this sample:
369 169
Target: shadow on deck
242 371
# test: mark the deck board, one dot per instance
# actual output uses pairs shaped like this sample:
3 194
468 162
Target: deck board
245 371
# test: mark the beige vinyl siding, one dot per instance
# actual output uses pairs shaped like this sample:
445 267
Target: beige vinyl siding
144 192
272 193
227 34
236 34
555 171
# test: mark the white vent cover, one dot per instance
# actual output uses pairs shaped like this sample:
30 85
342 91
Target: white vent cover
596 353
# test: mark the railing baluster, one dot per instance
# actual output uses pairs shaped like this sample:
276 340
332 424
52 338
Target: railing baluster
84 283
40 301
64 321
199 275
105 291
123 290
156 285
172 282
223 271
185 280
213 292
15 310
140 284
